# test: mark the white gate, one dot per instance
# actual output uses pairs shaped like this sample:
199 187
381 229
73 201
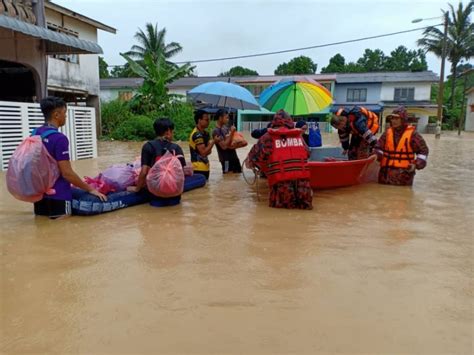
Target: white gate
18 119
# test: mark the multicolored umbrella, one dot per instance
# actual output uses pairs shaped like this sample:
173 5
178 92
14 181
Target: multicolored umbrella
297 96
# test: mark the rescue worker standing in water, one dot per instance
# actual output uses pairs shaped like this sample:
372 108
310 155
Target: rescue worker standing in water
401 151
356 127
282 155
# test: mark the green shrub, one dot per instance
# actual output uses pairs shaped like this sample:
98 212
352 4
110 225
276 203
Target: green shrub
182 115
135 128
113 113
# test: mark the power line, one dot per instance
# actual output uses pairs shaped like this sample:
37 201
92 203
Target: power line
299 49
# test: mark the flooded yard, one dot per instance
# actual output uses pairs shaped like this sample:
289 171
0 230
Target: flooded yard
371 269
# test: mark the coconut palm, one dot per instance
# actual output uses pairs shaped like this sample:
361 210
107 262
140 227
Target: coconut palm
153 41
460 39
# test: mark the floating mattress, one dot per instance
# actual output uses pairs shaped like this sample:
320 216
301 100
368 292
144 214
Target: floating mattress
85 204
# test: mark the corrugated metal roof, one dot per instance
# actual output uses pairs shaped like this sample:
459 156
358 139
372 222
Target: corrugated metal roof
117 83
56 42
386 77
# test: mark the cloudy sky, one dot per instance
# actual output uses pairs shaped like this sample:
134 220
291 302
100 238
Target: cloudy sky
221 28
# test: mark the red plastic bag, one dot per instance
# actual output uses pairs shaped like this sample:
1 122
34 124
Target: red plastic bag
32 171
166 177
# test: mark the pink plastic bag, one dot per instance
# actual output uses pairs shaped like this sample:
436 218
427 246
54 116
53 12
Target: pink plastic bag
119 176
166 177
32 171
99 184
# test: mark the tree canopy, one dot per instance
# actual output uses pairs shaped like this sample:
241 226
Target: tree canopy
298 65
400 59
238 71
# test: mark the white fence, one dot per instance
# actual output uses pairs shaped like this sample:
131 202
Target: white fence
18 119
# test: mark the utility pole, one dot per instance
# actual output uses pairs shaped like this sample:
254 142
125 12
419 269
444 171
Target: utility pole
441 77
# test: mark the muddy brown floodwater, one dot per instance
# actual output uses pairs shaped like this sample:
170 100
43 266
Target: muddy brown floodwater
372 269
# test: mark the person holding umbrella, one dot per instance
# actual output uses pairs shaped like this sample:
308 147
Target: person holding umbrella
282 155
225 148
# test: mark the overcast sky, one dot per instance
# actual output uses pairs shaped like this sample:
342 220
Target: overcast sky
220 28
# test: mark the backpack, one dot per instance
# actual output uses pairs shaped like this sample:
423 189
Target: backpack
315 139
32 171
166 176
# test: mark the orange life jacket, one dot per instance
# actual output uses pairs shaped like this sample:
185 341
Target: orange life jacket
289 157
372 120
402 155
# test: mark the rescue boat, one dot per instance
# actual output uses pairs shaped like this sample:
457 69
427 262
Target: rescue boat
330 169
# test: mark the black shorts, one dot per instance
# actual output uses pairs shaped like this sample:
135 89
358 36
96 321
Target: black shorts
52 208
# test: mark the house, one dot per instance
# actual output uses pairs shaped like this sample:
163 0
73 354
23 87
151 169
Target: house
379 92
74 77
46 49
469 124
119 88
382 92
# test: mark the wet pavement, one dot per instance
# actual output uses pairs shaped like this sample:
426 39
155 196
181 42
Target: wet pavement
372 269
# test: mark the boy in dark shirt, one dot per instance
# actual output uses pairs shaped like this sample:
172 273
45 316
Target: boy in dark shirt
154 149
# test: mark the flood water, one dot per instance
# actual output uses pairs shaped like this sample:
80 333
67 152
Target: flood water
372 269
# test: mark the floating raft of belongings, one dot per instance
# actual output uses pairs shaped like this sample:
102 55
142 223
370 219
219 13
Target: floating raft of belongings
85 204
330 169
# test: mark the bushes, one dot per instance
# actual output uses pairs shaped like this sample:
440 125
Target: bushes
113 113
135 128
182 115
120 123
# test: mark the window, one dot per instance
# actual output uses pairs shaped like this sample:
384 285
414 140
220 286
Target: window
70 58
472 108
356 95
404 94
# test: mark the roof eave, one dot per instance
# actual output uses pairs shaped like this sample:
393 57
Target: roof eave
88 20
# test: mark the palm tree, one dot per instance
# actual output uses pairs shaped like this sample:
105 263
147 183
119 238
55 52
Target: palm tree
460 39
152 41
157 73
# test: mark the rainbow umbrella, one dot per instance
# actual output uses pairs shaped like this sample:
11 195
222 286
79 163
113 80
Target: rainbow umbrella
297 96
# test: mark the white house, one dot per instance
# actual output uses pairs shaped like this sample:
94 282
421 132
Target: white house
47 49
74 77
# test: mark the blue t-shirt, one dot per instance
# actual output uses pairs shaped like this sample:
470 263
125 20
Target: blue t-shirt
57 145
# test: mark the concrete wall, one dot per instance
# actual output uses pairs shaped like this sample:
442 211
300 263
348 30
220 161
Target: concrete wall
422 90
17 48
469 125
179 91
83 76
107 95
